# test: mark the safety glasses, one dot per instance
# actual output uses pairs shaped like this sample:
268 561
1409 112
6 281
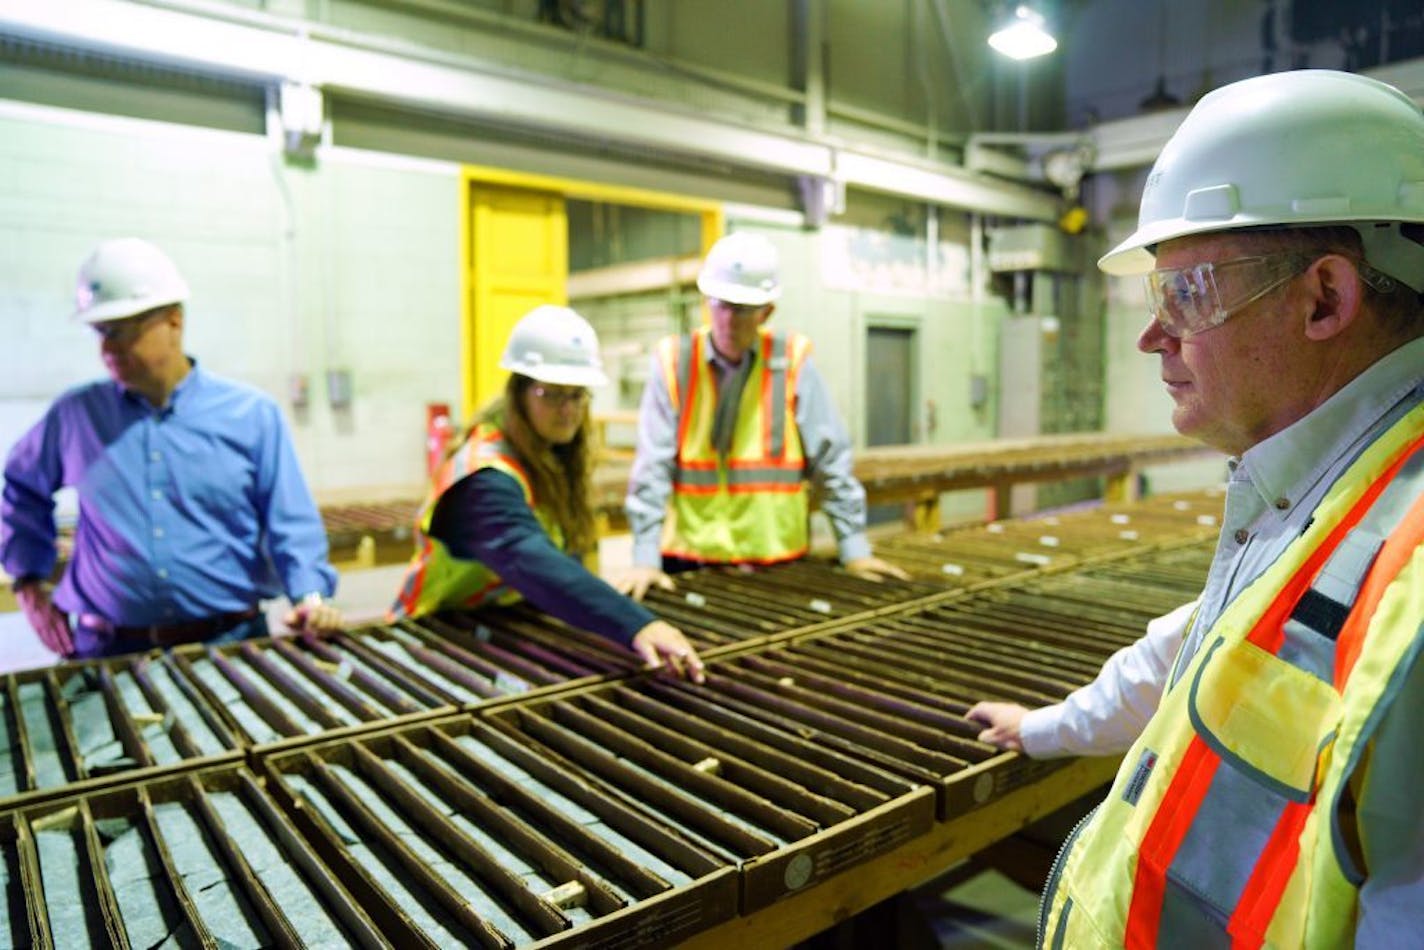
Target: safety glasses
125 331
557 397
1186 301
742 311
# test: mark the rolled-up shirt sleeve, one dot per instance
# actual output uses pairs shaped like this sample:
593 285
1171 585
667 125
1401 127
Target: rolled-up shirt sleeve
650 481
1106 716
295 535
485 518
826 444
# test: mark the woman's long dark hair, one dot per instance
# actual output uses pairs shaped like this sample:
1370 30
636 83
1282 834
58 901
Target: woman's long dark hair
561 476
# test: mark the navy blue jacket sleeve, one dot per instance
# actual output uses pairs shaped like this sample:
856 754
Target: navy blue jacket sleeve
485 518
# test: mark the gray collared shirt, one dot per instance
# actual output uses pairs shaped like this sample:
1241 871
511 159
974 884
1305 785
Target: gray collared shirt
1274 488
824 442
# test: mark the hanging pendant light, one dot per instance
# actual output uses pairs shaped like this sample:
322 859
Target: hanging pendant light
1023 35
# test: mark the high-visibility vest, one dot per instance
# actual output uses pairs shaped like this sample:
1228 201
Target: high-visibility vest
436 579
1230 822
752 505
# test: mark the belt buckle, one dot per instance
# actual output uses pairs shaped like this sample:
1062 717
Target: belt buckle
96 623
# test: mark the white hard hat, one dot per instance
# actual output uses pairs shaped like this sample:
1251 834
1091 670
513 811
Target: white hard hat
741 269
554 345
1293 149
124 277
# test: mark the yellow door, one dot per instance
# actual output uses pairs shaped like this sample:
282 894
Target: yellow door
517 258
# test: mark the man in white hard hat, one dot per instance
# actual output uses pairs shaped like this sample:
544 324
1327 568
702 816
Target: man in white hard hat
1275 795
192 508
509 515
734 421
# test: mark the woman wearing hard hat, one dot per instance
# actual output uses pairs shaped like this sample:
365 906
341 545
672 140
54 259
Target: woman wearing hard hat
509 512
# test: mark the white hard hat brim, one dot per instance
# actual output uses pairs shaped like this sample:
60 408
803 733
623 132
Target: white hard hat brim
124 308
736 293
1136 255
589 376
1133 256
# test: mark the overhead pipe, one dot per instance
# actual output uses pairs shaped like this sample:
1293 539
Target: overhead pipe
269 50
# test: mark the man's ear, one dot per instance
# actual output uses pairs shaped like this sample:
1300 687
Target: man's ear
766 313
1337 293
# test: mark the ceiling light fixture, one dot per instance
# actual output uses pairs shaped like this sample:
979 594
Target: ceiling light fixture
1023 35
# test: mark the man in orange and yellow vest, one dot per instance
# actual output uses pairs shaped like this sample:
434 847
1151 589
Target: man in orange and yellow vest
1275 797
734 421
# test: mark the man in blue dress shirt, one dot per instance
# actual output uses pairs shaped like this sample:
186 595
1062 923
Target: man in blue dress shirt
192 507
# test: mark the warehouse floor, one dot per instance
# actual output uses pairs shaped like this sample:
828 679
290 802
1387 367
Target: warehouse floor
976 908
989 902
971 907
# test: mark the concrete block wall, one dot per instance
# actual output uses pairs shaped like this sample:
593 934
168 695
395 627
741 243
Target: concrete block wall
295 272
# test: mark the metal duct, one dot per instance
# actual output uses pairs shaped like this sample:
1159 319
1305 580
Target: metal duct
271 50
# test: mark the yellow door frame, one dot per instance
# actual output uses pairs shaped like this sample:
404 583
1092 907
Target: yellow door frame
710 213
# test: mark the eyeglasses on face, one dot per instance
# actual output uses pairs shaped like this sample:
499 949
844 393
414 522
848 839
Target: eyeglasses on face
560 396
128 329
740 310
1186 301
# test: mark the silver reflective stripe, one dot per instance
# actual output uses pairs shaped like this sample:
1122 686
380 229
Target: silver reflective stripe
777 367
697 477
1309 650
707 477
1230 830
462 459
1186 925
764 476
1344 574
1324 607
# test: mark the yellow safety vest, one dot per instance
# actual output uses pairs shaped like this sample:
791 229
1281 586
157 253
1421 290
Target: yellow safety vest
1224 825
436 579
752 505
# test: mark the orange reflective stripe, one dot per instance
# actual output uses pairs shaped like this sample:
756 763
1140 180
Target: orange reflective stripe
694 371
1263 891
1398 549
775 465
409 594
475 599
1164 836
1269 631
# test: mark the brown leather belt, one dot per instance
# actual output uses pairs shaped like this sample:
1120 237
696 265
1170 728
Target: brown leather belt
172 634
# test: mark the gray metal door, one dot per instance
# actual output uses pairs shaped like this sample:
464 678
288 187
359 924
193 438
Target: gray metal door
889 385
